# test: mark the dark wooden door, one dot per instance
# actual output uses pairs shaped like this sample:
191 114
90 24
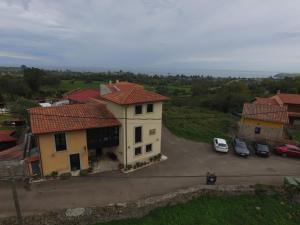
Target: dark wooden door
75 162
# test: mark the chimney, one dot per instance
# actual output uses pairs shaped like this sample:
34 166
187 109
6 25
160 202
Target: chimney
117 81
278 91
104 89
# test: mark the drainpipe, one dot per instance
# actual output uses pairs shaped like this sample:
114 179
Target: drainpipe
125 136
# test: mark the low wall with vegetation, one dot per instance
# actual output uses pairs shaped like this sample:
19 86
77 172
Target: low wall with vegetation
85 216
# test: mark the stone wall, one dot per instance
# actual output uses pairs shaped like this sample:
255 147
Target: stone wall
87 216
269 133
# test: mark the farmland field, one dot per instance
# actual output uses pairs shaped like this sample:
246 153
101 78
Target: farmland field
225 210
198 124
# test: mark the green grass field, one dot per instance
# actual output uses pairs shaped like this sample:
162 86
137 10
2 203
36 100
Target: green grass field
295 135
71 85
197 123
3 118
225 210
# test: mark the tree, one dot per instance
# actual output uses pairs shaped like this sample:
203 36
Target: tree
33 78
19 106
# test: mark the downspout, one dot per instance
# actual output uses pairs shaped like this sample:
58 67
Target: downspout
40 156
126 136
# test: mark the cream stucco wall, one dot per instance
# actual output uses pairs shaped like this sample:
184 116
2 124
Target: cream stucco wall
60 161
147 121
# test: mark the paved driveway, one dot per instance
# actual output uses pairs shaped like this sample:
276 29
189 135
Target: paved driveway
184 158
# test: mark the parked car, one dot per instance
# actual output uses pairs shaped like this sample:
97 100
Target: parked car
288 150
240 147
262 150
220 145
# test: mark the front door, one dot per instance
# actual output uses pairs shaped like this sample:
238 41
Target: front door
35 167
75 162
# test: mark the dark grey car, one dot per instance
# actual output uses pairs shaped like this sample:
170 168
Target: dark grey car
240 147
262 150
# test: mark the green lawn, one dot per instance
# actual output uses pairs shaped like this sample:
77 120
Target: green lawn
197 123
71 85
3 118
225 210
68 85
296 135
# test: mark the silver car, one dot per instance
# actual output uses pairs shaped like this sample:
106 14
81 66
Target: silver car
240 147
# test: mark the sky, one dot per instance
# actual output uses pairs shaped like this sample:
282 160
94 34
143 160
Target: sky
158 35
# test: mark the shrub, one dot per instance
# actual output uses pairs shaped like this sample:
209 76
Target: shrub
65 176
129 167
54 174
156 157
90 169
84 172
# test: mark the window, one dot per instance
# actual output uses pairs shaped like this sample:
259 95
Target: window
138 151
138 109
138 135
257 130
150 108
149 148
60 141
152 131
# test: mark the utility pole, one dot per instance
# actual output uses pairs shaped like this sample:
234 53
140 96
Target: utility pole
15 196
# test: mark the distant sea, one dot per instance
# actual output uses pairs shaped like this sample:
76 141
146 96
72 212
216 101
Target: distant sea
189 72
175 71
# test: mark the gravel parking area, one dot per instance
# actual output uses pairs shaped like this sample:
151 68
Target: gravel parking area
185 158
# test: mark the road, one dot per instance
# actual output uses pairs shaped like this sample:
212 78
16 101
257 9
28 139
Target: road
184 158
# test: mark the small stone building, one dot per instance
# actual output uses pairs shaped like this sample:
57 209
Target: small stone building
263 122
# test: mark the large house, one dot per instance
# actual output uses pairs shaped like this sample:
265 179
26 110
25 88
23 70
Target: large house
125 119
263 121
291 101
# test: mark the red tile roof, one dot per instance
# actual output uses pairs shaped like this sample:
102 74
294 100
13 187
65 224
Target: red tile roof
268 101
7 138
11 153
70 117
82 96
266 112
123 86
288 98
134 96
126 93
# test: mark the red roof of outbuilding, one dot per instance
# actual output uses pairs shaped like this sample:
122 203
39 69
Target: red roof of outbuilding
268 101
70 117
7 138
83 95
289 98
11 153
266 112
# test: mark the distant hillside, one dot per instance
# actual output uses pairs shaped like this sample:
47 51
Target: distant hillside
283 75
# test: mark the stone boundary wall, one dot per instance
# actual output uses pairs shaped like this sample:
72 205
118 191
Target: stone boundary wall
135 209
